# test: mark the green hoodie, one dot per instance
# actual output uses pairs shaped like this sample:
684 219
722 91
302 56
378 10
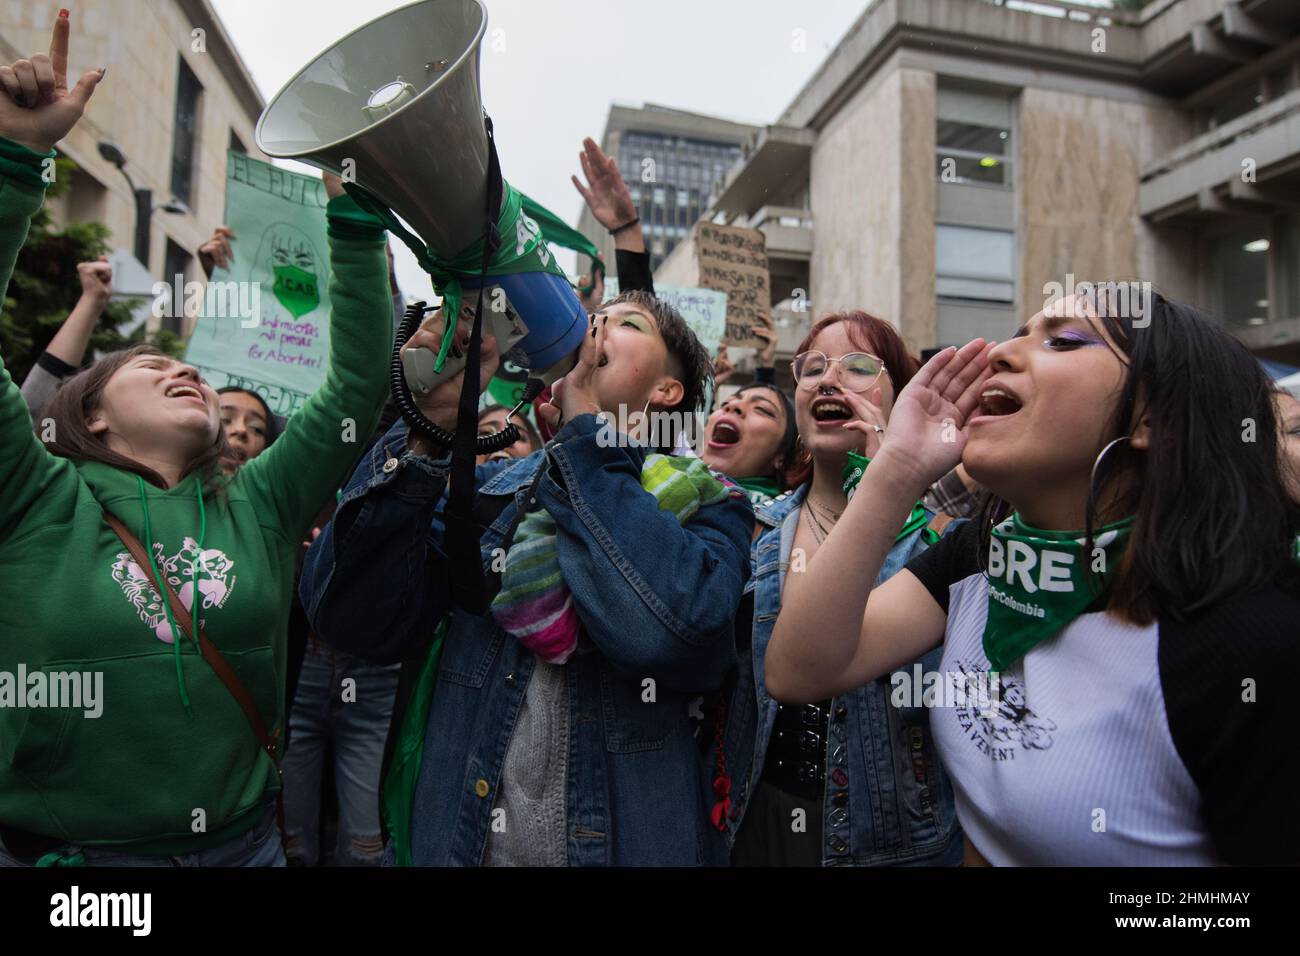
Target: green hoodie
146 774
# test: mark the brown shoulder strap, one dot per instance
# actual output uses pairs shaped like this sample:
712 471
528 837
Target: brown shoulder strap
207 649
939 523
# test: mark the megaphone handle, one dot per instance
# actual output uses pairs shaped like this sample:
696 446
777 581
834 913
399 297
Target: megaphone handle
418 421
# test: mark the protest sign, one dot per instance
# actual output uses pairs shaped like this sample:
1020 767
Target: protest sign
734 261
277 343
705 310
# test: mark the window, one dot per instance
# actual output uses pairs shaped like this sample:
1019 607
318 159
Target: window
176 263
973 138
683 198
974 263
185 133
660 196
236 143
1288 264
1239 275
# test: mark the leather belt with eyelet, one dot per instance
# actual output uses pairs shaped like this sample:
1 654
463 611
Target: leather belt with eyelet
796 754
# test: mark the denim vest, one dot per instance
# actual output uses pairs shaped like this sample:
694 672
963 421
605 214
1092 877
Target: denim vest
900 806
657 602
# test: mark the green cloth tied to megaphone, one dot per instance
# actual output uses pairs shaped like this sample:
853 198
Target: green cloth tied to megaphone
525 228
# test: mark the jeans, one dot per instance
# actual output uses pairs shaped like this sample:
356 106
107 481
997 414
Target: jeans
260 846
346 703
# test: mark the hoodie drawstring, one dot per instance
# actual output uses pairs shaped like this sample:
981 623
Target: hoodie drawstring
161 587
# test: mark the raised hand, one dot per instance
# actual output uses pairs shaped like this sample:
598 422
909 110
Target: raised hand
37 108
607 196
869 419
440 404
96 279
217 250
575 394
766 356
926 433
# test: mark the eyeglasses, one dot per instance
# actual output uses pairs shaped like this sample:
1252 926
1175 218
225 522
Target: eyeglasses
858 370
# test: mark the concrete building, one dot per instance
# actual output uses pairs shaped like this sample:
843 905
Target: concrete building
175 98
951 159
670 160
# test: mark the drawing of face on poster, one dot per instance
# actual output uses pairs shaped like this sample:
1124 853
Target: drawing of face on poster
288 254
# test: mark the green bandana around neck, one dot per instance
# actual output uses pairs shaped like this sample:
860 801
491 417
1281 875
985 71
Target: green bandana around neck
1040 581
760 490
854 469
296 289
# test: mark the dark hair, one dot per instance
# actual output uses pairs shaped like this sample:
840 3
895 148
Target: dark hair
1190 548
789 441
273 428
79 397
689 361
534 439
871 334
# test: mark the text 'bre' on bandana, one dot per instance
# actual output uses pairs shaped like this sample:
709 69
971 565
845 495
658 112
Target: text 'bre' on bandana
534 604
1040 581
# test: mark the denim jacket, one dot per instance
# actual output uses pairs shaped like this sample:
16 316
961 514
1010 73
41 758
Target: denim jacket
900 806
656 600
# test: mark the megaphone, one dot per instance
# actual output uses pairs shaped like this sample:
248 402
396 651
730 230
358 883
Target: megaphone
395 107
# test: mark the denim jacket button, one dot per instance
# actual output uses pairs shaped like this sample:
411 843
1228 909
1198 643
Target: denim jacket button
390 466
481 787
511 680
840 713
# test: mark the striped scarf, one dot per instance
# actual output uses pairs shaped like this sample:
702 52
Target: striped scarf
534 604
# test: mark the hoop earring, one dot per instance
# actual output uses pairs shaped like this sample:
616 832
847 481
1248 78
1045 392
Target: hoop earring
1092 478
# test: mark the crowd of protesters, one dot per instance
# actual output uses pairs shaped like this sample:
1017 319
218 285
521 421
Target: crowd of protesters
743 653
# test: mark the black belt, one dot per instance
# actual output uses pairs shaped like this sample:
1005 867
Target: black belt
796 753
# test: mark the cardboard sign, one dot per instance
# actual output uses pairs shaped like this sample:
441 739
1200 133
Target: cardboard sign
734 261
704 310
278 347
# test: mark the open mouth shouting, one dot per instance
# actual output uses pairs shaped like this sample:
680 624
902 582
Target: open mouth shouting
831 410
997 401
725 434
183 390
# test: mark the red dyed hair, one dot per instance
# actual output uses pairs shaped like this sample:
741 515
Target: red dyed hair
870 334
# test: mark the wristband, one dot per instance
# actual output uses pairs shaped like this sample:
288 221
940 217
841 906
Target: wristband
627 225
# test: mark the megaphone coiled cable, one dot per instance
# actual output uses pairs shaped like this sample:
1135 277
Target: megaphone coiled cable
405 401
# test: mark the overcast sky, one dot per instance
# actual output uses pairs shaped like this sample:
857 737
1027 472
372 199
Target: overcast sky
564 62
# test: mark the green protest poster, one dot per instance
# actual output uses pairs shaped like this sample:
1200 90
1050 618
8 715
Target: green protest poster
278 348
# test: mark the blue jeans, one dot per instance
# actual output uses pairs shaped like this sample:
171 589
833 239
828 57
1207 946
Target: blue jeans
260 846
347 703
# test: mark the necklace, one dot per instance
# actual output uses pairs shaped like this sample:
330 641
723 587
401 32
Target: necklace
819 531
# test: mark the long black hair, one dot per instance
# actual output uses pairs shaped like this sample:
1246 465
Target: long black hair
1211 514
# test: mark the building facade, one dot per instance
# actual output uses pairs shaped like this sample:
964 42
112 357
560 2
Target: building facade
953 163
670 160
175 98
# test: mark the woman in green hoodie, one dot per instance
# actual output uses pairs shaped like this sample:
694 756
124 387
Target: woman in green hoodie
119 744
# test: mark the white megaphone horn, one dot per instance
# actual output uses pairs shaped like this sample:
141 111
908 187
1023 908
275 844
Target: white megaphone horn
395 108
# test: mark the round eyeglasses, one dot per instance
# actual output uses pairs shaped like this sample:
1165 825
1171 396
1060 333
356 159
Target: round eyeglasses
858 371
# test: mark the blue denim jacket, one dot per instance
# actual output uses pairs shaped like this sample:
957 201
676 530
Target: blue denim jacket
656 599
900 808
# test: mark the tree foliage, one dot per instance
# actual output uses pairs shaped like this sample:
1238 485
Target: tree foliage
45 287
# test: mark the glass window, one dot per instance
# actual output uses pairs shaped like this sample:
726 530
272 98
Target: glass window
1239 273
176 263
973 137
660 196
1288 265
185 132
974 263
